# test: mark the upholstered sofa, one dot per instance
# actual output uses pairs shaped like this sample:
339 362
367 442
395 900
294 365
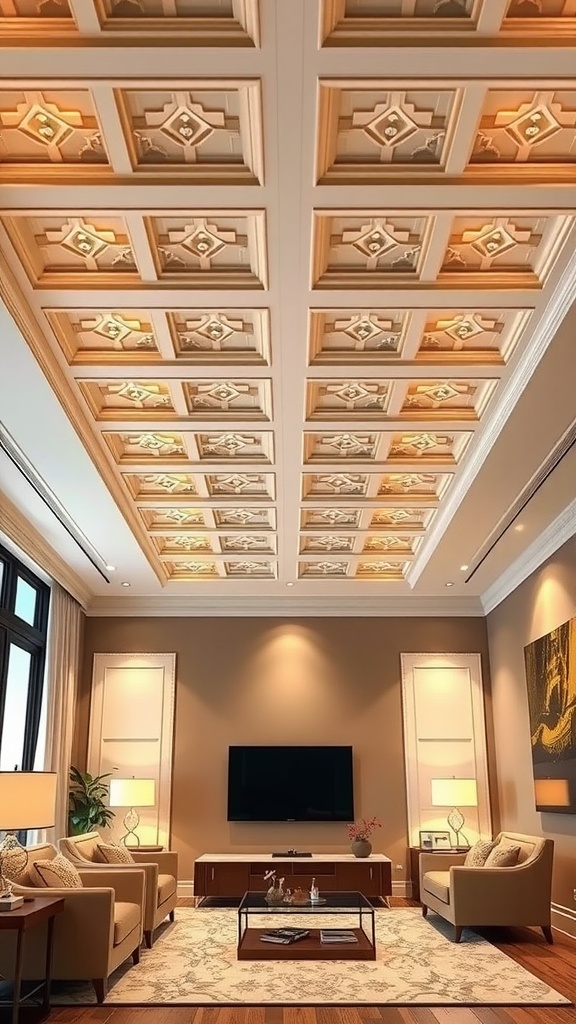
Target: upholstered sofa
160 869
477 896
100 927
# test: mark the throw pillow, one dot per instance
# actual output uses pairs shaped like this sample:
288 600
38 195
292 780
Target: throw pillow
58 873
115 854
503 857
477 854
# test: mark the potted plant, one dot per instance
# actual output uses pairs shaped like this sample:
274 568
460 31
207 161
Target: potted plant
87 809
359 832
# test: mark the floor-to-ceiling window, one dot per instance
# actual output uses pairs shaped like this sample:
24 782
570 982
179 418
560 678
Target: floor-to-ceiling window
24 601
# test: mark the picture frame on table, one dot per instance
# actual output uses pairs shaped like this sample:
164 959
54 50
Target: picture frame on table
432 840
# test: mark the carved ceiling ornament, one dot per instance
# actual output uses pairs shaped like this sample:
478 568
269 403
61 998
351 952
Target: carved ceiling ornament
246 484
390 543
245 518
247 542
38 131
323 517
381 570
36 9
409 484
221 335
185 126
72 246
187 542
331 447
179 516
348 397
499 244
367 249
527 127
427 447
328 542
323 569
248 568
196 244
377 130
157 444
165 483
229 398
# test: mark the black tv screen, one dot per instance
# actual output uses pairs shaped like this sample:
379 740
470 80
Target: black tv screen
290 784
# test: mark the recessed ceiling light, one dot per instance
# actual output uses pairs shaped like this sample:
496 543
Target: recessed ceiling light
289 584
110 568
125 584
519 527
448 584
463 568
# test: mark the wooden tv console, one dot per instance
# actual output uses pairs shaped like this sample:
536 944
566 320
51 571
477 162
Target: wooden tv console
232 874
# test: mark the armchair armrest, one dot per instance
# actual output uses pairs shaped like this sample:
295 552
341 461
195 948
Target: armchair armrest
86 923
127 883
166 862
438 862
476 891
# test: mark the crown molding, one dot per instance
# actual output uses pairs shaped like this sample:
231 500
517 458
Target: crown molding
32 544
495 422
553 537
166 605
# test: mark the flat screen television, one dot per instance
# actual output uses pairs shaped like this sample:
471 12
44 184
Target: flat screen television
290 784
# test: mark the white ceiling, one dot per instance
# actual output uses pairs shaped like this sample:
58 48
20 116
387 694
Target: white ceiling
306 402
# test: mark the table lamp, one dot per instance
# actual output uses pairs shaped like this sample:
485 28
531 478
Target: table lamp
27 800
455 793
132 793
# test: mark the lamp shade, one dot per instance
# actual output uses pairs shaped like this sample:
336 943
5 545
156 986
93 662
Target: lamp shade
132 793
27 800
552 793
454 792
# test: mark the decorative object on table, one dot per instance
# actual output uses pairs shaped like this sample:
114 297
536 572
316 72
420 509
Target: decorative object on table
300 898
435 840
27 801
551 682
314 892
275 893
455 793
359 832
87 808
132 793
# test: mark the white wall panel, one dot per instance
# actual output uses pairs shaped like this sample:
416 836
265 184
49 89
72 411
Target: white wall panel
131 731
444 736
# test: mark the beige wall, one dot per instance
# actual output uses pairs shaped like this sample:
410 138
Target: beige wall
546 599
281 681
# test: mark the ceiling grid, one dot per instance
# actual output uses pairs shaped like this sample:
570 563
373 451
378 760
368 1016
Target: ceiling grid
286 283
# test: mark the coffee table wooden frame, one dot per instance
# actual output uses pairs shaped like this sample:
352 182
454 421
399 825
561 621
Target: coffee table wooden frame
250 946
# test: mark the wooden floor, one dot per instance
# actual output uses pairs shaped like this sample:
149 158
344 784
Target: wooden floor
555 965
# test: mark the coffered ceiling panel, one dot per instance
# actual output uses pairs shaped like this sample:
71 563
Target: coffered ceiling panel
287 296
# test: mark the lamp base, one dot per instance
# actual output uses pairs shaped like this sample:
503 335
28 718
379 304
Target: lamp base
11 902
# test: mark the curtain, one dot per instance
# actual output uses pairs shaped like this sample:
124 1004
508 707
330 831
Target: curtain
64 636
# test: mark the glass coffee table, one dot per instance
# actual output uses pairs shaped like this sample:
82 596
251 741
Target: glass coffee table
253 908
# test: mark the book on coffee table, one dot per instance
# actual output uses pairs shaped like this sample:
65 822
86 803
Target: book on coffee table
284 936
337 935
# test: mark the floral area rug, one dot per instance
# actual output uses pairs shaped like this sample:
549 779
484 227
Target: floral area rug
193 961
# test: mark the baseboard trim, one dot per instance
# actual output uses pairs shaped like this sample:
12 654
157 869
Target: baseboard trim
185 889
564 919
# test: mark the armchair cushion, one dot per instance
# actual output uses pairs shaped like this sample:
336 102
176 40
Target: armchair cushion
437 883
477 854
166 887
126 918
115 854
503 856
55 873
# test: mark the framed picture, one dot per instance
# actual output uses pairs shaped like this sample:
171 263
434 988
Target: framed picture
435 841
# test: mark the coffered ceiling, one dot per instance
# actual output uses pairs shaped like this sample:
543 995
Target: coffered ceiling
287 266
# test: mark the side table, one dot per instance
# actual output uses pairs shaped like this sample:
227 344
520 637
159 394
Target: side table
145 849
34 912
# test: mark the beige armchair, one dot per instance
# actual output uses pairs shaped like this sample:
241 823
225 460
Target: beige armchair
160 869
100 927
469 897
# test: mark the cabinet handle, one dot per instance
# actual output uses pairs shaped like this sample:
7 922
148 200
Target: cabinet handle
370 874
212 875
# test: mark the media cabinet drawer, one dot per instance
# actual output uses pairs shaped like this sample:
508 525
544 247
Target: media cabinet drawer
315 869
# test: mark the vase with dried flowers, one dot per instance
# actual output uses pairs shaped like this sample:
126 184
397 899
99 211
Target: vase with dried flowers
359 832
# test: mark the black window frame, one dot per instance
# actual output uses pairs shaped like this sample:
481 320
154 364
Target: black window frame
31 638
